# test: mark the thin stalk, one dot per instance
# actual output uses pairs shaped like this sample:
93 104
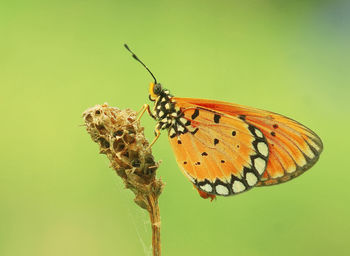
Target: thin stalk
155 223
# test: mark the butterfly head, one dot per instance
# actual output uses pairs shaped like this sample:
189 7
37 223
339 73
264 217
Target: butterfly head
155 90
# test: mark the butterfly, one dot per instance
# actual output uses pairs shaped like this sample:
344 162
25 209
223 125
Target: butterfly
226 149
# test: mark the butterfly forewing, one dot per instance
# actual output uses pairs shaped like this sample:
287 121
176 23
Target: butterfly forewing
219 153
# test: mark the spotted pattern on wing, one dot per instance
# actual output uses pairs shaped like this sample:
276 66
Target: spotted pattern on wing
293 148
210 158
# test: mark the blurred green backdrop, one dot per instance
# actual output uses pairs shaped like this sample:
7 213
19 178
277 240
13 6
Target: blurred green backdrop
57 58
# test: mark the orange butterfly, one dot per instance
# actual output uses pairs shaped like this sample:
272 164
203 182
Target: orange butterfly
225 148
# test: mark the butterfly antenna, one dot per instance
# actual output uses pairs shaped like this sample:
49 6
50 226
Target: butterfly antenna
136 58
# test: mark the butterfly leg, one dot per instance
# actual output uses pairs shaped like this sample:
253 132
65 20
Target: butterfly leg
157 133
143 110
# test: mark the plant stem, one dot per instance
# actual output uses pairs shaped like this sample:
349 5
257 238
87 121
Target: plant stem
155 223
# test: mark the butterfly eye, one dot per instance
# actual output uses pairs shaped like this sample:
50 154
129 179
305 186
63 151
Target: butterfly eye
157 89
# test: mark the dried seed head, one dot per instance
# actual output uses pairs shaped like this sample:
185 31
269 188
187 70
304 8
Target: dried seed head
121 138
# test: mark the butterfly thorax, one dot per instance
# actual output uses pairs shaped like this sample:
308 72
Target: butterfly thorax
168 115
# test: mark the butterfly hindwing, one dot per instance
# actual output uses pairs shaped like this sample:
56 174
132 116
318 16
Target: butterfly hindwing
293 148
219 153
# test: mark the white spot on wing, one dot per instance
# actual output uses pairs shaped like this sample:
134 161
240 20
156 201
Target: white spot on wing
251 179
313 144
183 120
191 128
291 169
221 190
309 152
238 186
259 165
172 132
301 161
180 128
258 133
263 149
167 106
206 187
161 113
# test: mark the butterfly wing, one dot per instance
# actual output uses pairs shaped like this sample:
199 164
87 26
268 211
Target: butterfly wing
219 153
293 148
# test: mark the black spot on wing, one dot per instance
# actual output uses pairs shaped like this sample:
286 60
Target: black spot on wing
195 114
194 131
242 117
216 118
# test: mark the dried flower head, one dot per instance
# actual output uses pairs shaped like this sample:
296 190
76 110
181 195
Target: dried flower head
121 138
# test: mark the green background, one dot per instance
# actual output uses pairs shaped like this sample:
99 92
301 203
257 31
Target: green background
57 58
